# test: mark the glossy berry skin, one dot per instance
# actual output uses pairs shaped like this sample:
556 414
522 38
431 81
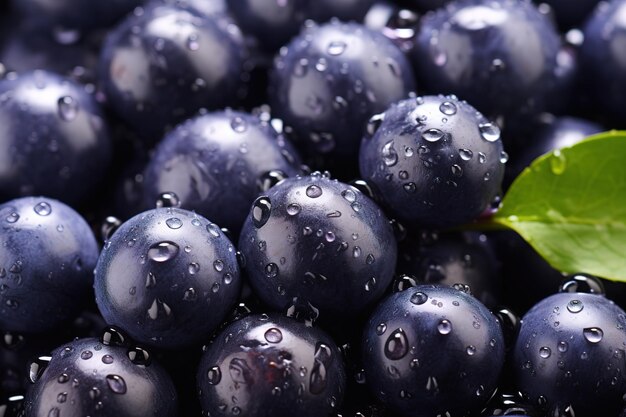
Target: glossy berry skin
87 377
569 353
321 242
271 366
53 138
604 31
431 350
168 277
273 23
213 163
47 255
205 7
436 161
155 71
330 79
76 14
500 55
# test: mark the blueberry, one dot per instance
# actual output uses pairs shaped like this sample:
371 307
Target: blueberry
271 366
213 163
163 63
87 377
54 139
603 61
76 14
329 80
436 161
454 258
501 56
569 355
168 277
318 241
273 23
432 350
47 256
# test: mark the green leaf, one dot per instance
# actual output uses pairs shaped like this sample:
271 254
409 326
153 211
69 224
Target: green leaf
570 205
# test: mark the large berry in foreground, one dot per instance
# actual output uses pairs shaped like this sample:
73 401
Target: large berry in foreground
316 240
432 351
54 140
271 366
213 163
570 355
47 255
87 377
436 161
329 80
168 277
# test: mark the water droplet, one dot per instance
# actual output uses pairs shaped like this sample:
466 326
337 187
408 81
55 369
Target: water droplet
116 384
13 217
593 334
190 295
261 211
321 65
213 229
419 298
349 195
575 306
43 208
356 252
174 223
370 284
86 354
336 48
545 352
558 163
192 42
410 187
150 280
193 268
214 375
470 350
448 108
397 345
313 191
444 327
482 158
457 171
54 412
389 154
271 270
293 209
489 131
168 199
374 124
504 157
466 154
153 311
238 124
63 378
218 265
370 259
433 135
163 251
273 335
68 108
381 329
322 359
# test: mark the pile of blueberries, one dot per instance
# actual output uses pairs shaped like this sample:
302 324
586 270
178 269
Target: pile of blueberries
259 208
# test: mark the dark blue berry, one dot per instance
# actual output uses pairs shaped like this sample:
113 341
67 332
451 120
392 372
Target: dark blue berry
318 241
330 79
47 256
168 277
214 163
436 161
570 13
569 355
262 366
87 377
432 350
501 56
163 63
54 139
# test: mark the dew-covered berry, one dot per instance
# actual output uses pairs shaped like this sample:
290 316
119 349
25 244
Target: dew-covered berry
214 162
168 277
47 256
569 355
88 377
431 351
272 365
436 161
316 240
330 79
